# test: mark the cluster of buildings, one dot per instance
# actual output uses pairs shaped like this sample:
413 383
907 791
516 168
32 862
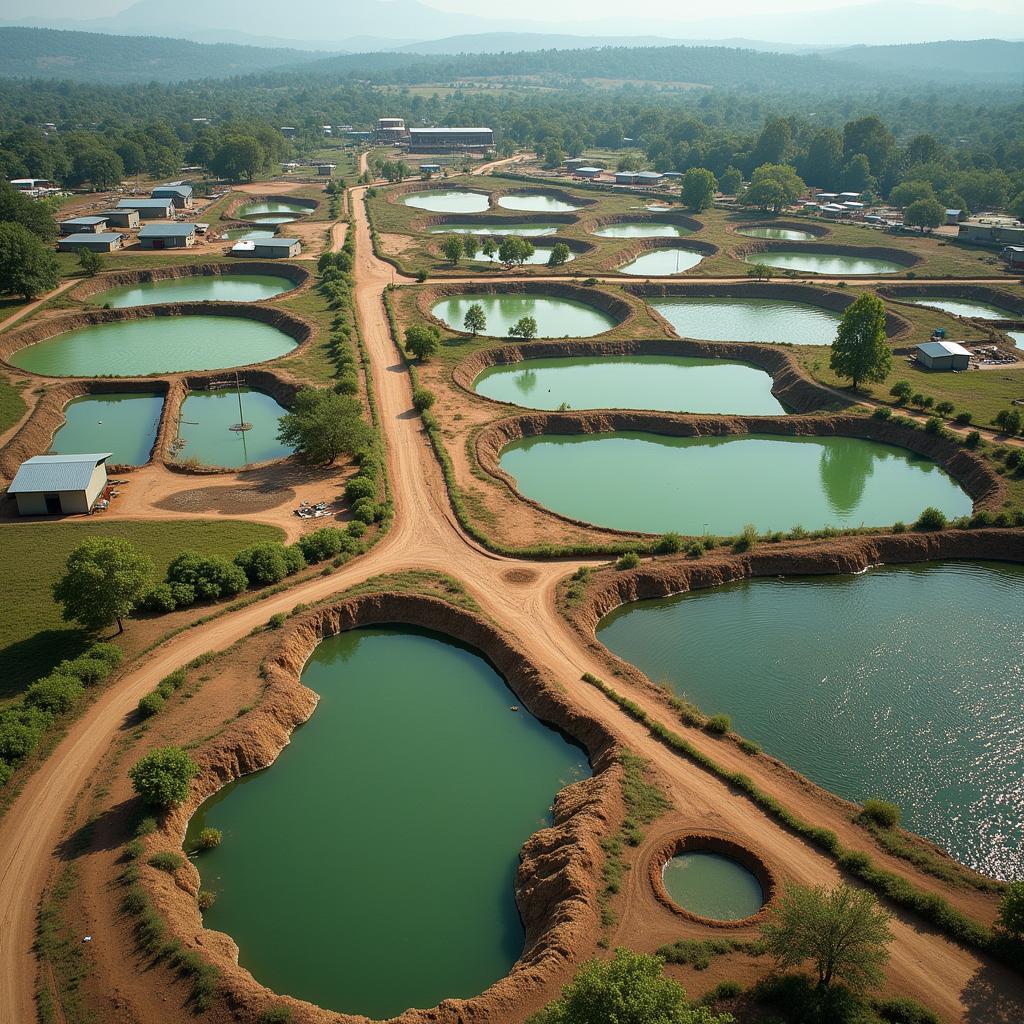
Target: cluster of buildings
1003 233
580 167
393 131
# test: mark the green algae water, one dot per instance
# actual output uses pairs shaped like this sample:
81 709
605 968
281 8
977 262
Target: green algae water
766 320
668 383
205 426
388 831
641 229
902 683
453 200
248 234
662 263
496 228
273 212
537 204
825 263
651 484
212 288
712 886
540 257
154 345
776 234
967 307
124 424
556 318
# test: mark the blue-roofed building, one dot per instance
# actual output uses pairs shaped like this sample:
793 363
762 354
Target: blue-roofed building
53 485
179 194
94 241
943 355
149 209
168 236
78 225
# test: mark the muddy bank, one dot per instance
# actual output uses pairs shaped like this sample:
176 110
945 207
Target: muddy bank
559 870
877 252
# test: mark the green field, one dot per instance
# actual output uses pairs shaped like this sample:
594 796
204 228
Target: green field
33 638
12 405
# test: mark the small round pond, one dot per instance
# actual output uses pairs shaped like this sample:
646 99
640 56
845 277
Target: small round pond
128 348
652 484
365 846
967 307
766 320
641 229
205 423
498 228
776 234
452 200
540 257
537 203
197 288
123 424
825 263
249 234
902 683
276 211
1017 337
556 317
662 263
711 885
669 383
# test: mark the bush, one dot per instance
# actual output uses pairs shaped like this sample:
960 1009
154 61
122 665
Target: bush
973 439
963 418
321 544
899 526
728 989
55 694
746 540
210 576
366 510
881 812
166 860
151 704
695 549
902 391
110 653
360 487
719 724
750 747
161 778
184 594
356 529
904 1011
159 599
934 425
883 413
208 838
423 398
21 729
628 560
930 519
347 384
89 670
263 564
294 559
206 899
277 620
1013 459
6 771
669 543
275 1015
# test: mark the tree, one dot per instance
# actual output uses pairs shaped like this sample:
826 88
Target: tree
103 579
731 181
422 342
631 988
90 262
161 778
452 249
1011 910
470 245
27 267
843 931
823 162
699 188
774 144
869 136
559 255
323 425
860 350
99 165
924 213
18 208
476 319
514 251
907 192
525 327
857 175
239 156
773 186
490 248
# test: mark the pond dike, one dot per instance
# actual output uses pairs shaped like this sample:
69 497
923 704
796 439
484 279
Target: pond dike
808 227
985 487
559 870
877 252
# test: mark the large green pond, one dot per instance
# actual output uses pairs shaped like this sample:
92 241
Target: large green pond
537 204
670 383
1017 337
388 831
124 424
777 234
967 307
452 200
901 683
212 288
825 263
556 318
651 483
496 228
641 229
662 263
273 212
712 886
248 234
768 320
205 425
154 345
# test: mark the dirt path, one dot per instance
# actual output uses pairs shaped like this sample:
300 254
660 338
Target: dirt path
425 535
30 307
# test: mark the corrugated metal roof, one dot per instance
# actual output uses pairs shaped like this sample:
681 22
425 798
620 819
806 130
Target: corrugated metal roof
449 131
93 236
143 204
85 220
56 473
936 349
167 231
275 242
178 190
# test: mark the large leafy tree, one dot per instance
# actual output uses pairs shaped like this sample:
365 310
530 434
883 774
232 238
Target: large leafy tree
699 188
27 267
18 208
860 350
103 579
924 213
323 425
422 342
239 156
773 186
514 250
1011 910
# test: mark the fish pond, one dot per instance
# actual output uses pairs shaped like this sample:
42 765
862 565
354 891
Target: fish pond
528 203
123 424
825 263
556 317
497 228
766 320
389 829
668 383
776 234
967 307
273 212
129 348
197 288
650 483
902 683
249 234
711 885
662 263
540 257
206 420
641 229
454 200
1017 337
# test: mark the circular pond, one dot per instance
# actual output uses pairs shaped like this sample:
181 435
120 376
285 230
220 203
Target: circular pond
651 483
662 263
123 424
206 419
497 228
540 257
1017 337
533 203
711 885
197 288
249 234
825 263
967 307
128 348
362 846
776 234
640 229
910 689
276 211
766 320
669 383
453 200
556 317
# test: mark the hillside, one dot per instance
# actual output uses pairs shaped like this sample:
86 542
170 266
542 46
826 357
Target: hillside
977 60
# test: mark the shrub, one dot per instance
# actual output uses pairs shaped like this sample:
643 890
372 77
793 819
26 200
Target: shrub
1011 910
973 439
209 575
55 693
360 487
904 1011
151 704
134 901
881 812
422 398
695 549
930 519
899 526
294 559
184 594
206 899
719 724
934 425
366 510
263 564
161 778
21 729
963 418
347 384
6 771
146 826
902 391
110 653
277 620
1013 459
89 670
208 838
355 529
728 989
321 544
159 599
628 560
747 539
275 1015
669 543
750 747
882 413
166 860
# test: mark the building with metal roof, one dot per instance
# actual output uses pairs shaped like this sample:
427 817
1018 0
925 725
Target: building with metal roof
178 193
76 225
276 248
447 140
95 241
168 236
943 355
148 209
51 485
121 218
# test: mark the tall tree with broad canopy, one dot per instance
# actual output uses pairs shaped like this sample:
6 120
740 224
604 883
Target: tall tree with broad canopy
323 425
924 213
422 342
452 249
27 266
514 251
699 188
860 350
773 186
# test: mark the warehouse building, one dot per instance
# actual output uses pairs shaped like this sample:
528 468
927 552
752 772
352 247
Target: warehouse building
588 172
94 241
121 218
943 355
80 225
276 248
450 140
390 129
991 231
179 193
168 236
325 170
53 485
149 209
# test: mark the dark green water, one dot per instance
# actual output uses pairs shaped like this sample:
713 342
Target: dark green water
556 318
155 345
901 683
662 263
125 424
767 320
649 483
215 288
967 307
388 831
713 886
825 263
537 204
449 201
779 234
672 383
497 228
206 419
641 229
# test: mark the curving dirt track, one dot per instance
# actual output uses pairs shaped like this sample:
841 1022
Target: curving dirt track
519 596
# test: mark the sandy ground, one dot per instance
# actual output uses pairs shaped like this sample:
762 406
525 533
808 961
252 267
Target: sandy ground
952 980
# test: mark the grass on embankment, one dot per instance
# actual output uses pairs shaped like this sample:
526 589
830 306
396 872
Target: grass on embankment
33 637
12 405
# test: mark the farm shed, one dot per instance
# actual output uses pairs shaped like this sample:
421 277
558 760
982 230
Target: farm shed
50 485
167 236
95 241
943 355
79 225
180 195
276 248
121 218
149 209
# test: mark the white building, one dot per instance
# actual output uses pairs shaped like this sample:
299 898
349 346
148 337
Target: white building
51 485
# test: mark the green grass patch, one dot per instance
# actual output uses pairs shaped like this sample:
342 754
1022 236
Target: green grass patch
12 405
